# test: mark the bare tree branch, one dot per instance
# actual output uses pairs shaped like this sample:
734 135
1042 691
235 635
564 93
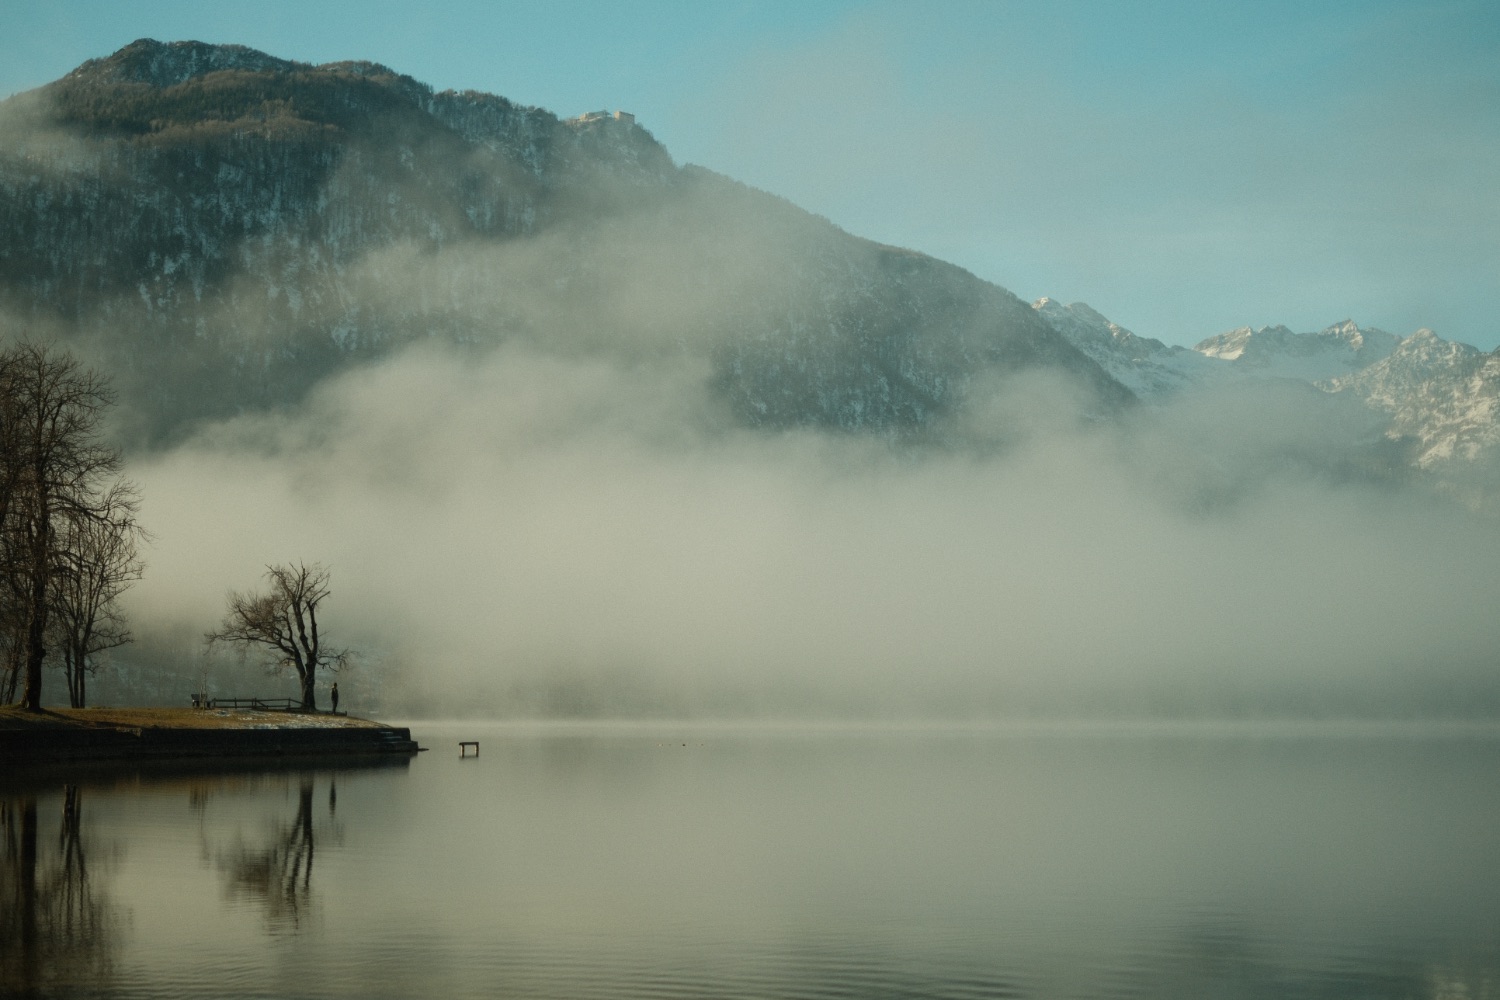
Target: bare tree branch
57 484
283 624
98 560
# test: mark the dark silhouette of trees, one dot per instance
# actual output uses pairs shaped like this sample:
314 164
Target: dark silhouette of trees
99 561
282 623
64 511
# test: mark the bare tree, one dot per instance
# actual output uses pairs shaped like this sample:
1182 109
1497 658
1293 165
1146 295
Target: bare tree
283 623
98 562
55 476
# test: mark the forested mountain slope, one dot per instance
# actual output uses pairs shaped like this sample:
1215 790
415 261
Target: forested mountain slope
224 229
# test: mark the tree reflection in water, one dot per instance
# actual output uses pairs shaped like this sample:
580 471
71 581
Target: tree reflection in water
278 874
57 925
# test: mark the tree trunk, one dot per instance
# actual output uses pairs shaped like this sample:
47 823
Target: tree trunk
36 632
75 668
12 674
309 696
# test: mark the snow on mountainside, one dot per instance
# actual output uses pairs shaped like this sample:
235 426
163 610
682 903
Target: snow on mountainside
1444 395
1151 368
1278 352
1145 366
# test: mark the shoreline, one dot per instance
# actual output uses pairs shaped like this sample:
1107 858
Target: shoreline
65 735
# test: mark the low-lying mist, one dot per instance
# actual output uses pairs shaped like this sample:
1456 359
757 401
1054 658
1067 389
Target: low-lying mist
523 533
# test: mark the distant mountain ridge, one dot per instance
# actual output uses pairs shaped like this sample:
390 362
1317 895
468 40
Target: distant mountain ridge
1147 366
1441 395
1342 346
226 229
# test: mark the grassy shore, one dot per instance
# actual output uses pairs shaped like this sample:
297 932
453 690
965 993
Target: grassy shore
130 733
14 718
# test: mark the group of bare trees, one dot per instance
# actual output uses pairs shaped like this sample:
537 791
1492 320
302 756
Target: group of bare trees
69 536
68 524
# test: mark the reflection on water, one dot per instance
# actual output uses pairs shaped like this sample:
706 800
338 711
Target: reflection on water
62 933
277 871
57 922
577 862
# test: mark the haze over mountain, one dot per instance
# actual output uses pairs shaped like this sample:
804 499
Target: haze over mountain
229 228
583 431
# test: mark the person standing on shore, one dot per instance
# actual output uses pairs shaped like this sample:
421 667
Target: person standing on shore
334 694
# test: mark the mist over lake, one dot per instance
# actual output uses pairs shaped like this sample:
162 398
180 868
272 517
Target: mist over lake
529 536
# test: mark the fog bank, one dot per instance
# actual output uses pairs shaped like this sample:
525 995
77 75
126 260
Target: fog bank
520 533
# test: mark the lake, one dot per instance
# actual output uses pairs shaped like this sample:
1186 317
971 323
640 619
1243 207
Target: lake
739 861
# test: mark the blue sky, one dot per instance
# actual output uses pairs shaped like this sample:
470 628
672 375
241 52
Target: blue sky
1185 168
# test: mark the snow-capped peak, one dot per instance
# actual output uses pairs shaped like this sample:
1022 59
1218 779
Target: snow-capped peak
1275 350
1441 394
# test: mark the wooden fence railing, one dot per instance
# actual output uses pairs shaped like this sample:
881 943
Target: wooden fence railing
258 704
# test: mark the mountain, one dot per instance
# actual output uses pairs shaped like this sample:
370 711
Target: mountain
1277 351
1438 402
1443 395
1153 369
224 229
1146 366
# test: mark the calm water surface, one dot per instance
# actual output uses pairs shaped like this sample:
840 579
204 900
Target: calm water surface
674 862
